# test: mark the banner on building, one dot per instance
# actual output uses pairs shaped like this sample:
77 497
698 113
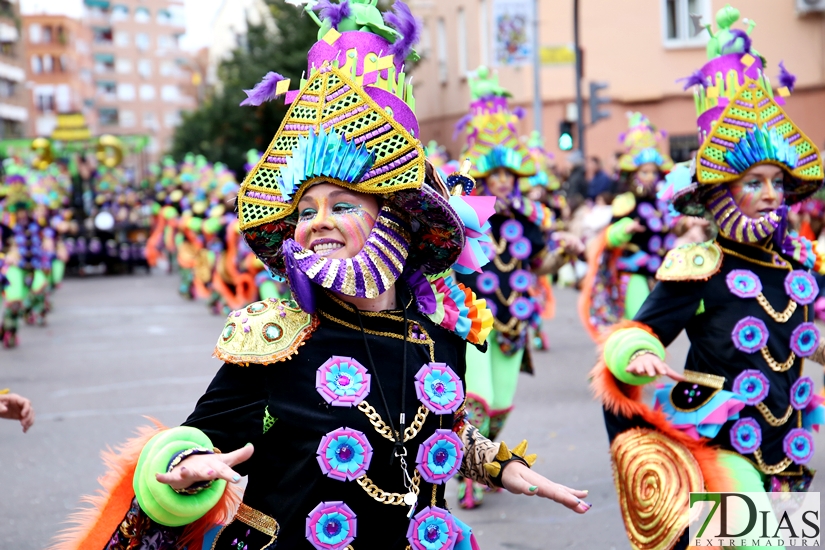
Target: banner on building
513 32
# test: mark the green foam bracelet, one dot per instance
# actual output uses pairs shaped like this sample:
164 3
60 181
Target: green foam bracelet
160 502
622 345
617 234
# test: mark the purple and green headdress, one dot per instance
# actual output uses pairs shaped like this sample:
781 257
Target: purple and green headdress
741 124
352 123
490 132
642 145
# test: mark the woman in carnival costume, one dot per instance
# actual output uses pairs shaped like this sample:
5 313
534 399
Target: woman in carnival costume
515 243
352 436
625 257
740 416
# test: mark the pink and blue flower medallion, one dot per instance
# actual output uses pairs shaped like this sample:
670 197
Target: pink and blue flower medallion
802 393
439 388
799 445
511 230
752 386
805 339
520 280
433 528
487 282
750 335
342 381
746 435
801 287
440 456
521 248
344 454
522 308
331 526
743 283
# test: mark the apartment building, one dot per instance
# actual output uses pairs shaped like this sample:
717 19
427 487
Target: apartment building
139 70
59 71
640 48
13 101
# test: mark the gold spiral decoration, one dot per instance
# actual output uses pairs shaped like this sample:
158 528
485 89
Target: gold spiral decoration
654 476
43 156
109 151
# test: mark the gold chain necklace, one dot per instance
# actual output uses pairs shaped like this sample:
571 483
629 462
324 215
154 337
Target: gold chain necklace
770 418
507 301
768 469
781 263
773 363
395 499
382 428
778 317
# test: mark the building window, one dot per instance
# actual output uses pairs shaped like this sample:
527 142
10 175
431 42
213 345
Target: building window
107 117
106 90
120 13
145 68
683 147
35 33
164 17
171 119
443 69
142 41
37 64
12 129
126 92
461 37
44 100
61 35
142 15
124 66
677 24
48 65
63 98
102 35
149 120
483 32
104 63
7 88
169 92
167 68
127 119
147 92
122 39
47 34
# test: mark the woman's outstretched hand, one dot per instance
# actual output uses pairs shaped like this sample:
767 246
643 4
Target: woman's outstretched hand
521 480
16 407
199 468
649 364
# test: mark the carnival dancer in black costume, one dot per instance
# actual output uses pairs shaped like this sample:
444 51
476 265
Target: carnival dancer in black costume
346 410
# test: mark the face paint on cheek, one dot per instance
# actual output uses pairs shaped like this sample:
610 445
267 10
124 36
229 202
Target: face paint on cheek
355 227
745 196
303 230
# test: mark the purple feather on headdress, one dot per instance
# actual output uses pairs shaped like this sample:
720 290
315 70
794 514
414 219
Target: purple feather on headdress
737 34
696 79
519 112
334 13
263 91
461 125
403 21
786 78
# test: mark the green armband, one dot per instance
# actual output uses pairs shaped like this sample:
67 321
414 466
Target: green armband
622 345
617 234
160 501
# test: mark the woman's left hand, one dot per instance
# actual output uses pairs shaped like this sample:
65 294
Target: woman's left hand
521 480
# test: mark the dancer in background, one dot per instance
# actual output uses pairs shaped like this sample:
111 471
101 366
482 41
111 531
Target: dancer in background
517 245
739 417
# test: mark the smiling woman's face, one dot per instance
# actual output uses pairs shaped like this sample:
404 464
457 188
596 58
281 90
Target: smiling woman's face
335 222
760 190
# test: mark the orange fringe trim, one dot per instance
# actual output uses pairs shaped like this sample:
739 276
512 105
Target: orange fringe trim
594 258
94 526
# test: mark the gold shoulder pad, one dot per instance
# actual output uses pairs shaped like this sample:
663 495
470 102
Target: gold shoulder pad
623 204
264 332
691 262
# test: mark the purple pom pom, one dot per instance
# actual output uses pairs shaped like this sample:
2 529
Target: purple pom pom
519 112
334 13
263 91
403 21
786 78
696 79
737 34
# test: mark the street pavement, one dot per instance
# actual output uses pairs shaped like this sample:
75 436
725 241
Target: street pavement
122 348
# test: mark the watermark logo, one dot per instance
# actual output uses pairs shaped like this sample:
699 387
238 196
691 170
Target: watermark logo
754 519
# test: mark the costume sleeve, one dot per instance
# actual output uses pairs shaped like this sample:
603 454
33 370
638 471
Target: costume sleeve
484 460
661 318
231 412
617 233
